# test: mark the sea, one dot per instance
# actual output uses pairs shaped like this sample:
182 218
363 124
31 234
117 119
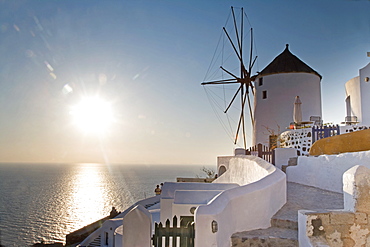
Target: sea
45 202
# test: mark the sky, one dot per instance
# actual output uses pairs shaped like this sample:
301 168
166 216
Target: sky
147 59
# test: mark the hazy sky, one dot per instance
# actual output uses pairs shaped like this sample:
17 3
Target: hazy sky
147 59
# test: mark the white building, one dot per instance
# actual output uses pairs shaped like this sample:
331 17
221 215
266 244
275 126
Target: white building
357 98
249 201
276 87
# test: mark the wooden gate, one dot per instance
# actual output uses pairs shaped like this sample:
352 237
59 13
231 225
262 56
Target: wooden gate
263 152
182 235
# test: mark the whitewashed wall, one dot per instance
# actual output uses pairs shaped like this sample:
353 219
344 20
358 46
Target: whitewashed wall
118 236
282 156
245 169
357 96
261 194
365 94
108 230
299 139
186 199
186 193
326 171
352 128
277 109
137 228
223 164
118 223
353 98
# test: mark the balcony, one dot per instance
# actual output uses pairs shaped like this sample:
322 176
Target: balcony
349 120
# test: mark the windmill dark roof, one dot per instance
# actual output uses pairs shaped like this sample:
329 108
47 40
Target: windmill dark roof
286 62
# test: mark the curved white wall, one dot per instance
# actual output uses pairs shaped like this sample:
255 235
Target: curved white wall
186 195
137 228
250 206
353 98
186 200
357 96
245 169
277 109
365 92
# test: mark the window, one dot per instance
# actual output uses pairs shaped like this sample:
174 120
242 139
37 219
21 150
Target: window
106 238
264 94
260 81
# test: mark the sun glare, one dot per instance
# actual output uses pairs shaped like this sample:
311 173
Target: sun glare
92 115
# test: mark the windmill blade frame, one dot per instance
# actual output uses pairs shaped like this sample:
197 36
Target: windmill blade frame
244 79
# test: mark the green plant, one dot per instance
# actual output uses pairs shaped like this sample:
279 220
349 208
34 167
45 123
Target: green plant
210 173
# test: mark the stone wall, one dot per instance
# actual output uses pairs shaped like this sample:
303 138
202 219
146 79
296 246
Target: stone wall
300 139
352 128
341 228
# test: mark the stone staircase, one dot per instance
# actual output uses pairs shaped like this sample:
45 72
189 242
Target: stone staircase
96 242
281 233
284 224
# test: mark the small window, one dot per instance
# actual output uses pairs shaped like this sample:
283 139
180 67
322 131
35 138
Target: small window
106 238
264 94
260 81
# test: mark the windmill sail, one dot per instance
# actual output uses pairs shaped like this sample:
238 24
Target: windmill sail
243 79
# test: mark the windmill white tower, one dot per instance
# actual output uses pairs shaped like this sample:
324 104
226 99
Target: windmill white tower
276 87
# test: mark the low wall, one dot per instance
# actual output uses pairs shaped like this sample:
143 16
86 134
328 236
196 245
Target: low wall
100 231
80 234
195 180
250 206
197 196
170 189
299 139
223 164
344 143
245 169
137 228
348 227
185 200
326 171
282 156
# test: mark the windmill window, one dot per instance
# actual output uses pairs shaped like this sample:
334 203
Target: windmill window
264 94
260 81
106 238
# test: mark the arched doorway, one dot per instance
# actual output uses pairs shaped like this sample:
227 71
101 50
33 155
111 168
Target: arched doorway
221 170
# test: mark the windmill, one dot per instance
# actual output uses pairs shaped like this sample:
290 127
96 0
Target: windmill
244 79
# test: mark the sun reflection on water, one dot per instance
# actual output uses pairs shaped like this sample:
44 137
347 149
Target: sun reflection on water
52 201
88 195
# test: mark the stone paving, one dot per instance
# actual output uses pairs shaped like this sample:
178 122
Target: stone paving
283 231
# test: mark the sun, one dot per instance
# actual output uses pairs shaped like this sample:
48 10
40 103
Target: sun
92 115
